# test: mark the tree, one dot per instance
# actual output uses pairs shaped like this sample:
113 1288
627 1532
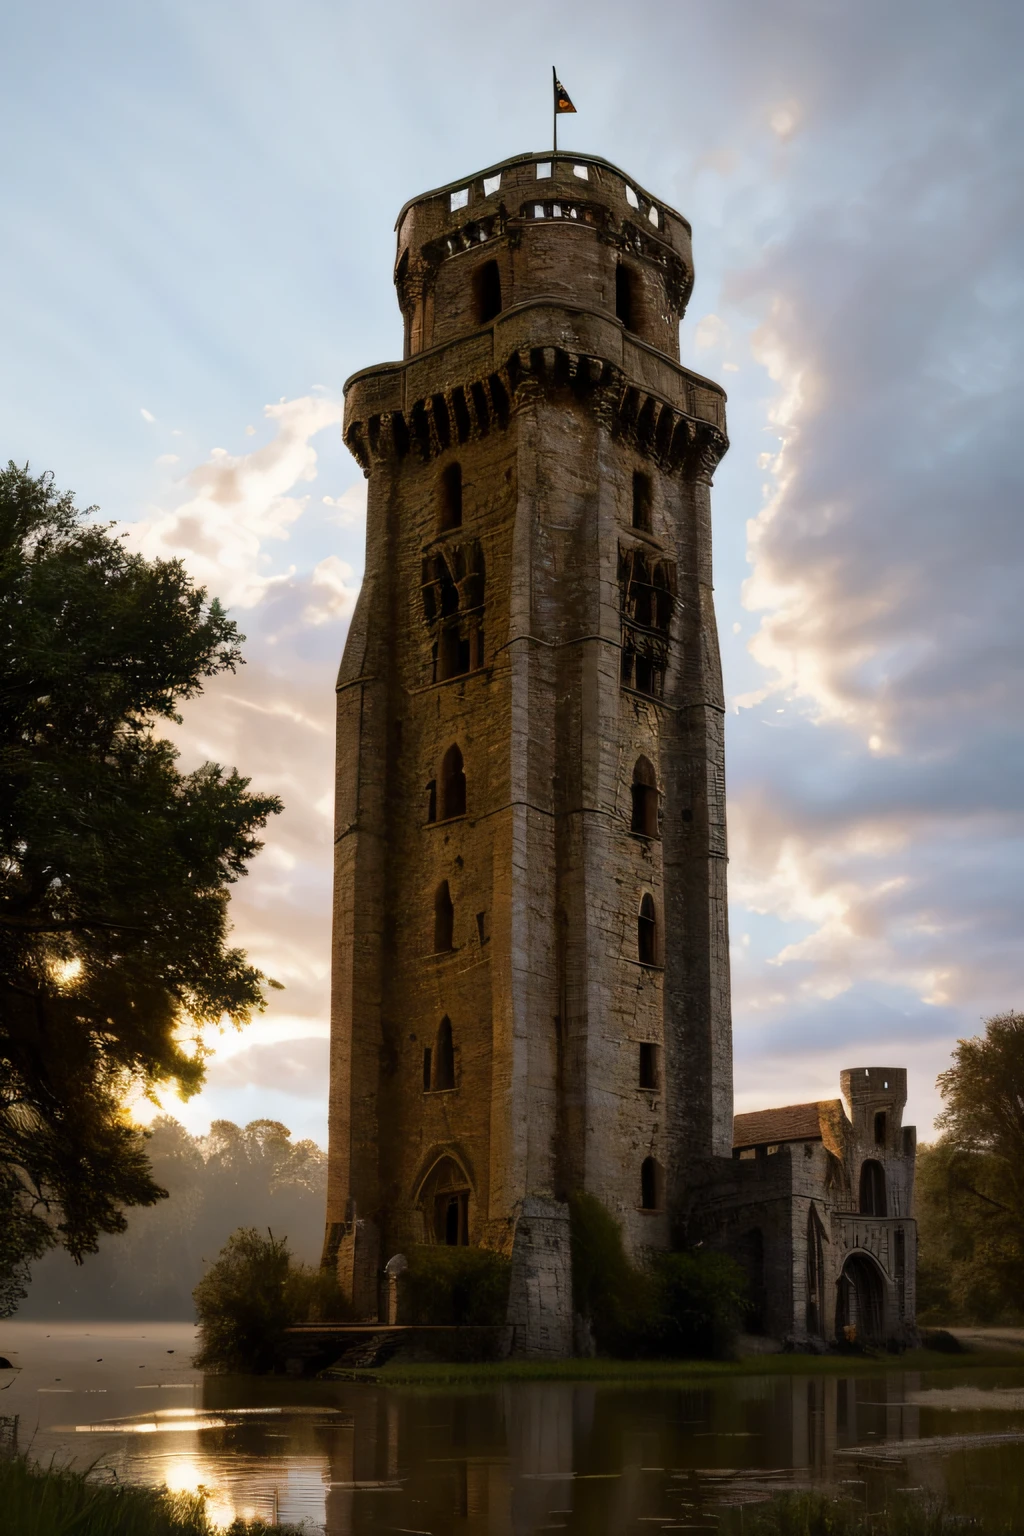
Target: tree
971 1182
114 865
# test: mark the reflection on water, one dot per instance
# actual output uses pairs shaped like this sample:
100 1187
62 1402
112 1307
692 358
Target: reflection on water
509 1460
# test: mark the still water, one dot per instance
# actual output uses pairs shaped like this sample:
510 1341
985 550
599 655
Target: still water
507 1460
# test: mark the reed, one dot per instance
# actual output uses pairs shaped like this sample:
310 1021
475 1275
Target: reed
55 1501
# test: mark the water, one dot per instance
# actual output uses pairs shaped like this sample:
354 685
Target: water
507 1460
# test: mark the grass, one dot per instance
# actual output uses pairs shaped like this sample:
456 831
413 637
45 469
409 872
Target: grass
652 1372
816 1514
57 1501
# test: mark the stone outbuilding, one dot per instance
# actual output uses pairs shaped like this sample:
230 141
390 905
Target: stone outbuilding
818 1207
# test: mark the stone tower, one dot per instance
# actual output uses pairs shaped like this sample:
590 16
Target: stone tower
530 965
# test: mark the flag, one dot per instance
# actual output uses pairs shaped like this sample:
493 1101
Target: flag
562 101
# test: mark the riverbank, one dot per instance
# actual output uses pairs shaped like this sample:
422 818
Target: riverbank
664 1372
51 1502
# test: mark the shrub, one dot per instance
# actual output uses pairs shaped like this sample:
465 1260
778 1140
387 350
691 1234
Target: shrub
453 1286
682 1305
247 1299
700 1301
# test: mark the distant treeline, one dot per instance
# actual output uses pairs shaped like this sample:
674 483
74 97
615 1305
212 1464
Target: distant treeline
237 1176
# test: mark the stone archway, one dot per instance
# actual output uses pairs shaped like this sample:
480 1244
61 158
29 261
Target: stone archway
860 1301
444 1197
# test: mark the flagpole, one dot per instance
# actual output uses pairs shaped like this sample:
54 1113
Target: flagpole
554 111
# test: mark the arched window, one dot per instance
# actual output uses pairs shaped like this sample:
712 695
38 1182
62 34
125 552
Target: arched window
645 799
624 297
444 919
650 1184
487 291
641 500
872 1188
444 1057
450 507
647 931
453 784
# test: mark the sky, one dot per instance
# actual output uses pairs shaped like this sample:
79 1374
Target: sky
199 199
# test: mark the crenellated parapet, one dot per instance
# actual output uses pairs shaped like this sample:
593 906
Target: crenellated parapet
681 437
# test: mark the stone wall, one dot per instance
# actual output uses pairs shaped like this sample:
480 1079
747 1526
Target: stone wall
548 412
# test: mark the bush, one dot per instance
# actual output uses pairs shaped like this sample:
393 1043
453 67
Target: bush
454 1286
683 1305
699 1304
247 1299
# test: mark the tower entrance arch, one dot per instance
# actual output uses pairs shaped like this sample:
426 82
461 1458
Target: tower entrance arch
860 1301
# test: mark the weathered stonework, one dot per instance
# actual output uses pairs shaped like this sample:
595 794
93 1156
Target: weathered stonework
818 1206
530 968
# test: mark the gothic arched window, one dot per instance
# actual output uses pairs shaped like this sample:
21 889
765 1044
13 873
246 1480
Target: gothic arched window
645 799
647 931
872 1188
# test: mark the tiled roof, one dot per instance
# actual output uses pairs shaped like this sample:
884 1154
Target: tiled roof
794 1122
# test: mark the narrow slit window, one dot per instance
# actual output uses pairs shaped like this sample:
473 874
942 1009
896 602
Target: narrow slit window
648 1065
487 288
641 501
880 1128
444 919
427 1054
647 931
432 800
450 509
453 784
444 1057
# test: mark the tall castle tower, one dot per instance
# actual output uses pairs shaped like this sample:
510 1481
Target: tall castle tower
530 968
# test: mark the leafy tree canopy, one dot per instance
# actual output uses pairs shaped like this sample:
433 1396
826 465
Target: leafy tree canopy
114 865
970 1184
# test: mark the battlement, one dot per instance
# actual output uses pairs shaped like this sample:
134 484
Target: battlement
469 250
863 1086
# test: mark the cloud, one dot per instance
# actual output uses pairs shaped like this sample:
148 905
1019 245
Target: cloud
146 415
167 459
876 831
350 506
240 503
251 530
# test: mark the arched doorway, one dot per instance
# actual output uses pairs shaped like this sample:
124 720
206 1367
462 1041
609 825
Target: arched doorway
860 1302
444 1199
